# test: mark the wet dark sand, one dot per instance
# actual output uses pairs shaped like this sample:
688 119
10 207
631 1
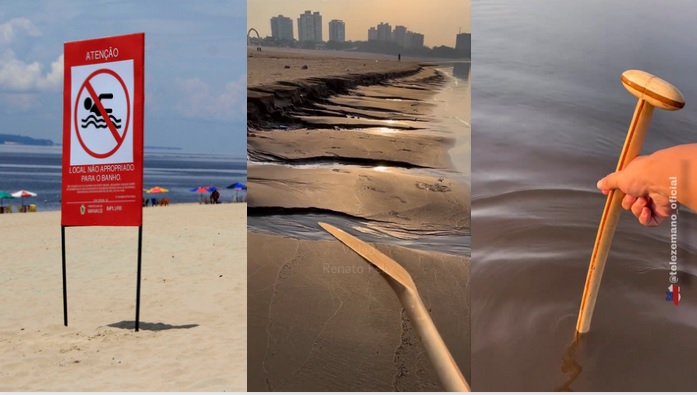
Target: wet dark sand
303 145
278 82
321 317
367 112
274 97
372 160
417 203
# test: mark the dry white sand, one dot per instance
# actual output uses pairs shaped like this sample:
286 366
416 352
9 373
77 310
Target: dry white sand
193 316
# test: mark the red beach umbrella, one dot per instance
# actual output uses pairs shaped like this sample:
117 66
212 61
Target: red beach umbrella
22 194
201 191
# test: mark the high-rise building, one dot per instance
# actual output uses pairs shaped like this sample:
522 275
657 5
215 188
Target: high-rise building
417 40
318 26
384 32
407 39
413 40
372 34
337 31
399 34
310 26
282 28
463 44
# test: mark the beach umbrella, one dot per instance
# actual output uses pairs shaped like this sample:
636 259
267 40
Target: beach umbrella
157 190
200 190
22 194
5 195
236 186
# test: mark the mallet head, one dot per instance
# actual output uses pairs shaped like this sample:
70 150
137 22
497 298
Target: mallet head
653 90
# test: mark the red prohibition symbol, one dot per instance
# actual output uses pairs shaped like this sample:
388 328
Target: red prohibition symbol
94 101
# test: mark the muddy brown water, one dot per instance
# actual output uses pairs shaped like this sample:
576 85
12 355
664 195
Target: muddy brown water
549 119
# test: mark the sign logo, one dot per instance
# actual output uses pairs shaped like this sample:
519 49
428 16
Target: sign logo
102 111
673 294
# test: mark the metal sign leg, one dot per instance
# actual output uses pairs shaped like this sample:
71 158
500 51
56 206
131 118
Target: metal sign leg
65 289
140 244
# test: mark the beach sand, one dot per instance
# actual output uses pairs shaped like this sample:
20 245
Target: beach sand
193 313
359 147
322 318
268 66
417 203
278 80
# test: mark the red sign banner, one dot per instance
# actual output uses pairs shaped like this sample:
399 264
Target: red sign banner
103 132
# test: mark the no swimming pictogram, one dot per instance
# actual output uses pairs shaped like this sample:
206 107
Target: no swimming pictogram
102 113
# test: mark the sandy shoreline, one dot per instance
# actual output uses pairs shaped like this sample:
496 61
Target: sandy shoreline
278 81
193 315
416 203
366 152
322 318
268 66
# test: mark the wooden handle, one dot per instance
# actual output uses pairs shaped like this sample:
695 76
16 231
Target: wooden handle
449 374
401 282
608 222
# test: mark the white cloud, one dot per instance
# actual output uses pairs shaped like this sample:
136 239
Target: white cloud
10 29
16 75
198 99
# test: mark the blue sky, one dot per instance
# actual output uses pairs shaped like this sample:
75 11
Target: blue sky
195 66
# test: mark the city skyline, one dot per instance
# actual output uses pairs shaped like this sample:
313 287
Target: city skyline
439 25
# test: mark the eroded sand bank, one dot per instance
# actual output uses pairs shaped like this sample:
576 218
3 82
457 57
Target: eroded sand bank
364 150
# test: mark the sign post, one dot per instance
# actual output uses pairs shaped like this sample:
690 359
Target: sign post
103 138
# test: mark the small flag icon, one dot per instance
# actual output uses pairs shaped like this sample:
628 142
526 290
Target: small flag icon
673 294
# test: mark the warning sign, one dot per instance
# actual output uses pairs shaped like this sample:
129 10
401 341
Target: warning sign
103 132
101 114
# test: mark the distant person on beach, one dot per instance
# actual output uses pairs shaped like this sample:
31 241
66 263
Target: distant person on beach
651 181
399 57
215 195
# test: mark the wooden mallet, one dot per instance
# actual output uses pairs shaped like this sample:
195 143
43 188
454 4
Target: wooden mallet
652 92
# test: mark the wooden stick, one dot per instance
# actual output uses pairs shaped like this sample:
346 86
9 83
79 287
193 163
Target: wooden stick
652 92
449 374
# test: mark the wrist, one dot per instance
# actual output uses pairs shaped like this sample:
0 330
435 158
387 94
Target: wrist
658 172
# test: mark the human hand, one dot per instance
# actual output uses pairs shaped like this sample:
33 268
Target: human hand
648 202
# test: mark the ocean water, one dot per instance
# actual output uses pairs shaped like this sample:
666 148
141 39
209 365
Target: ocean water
549 118
38 169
